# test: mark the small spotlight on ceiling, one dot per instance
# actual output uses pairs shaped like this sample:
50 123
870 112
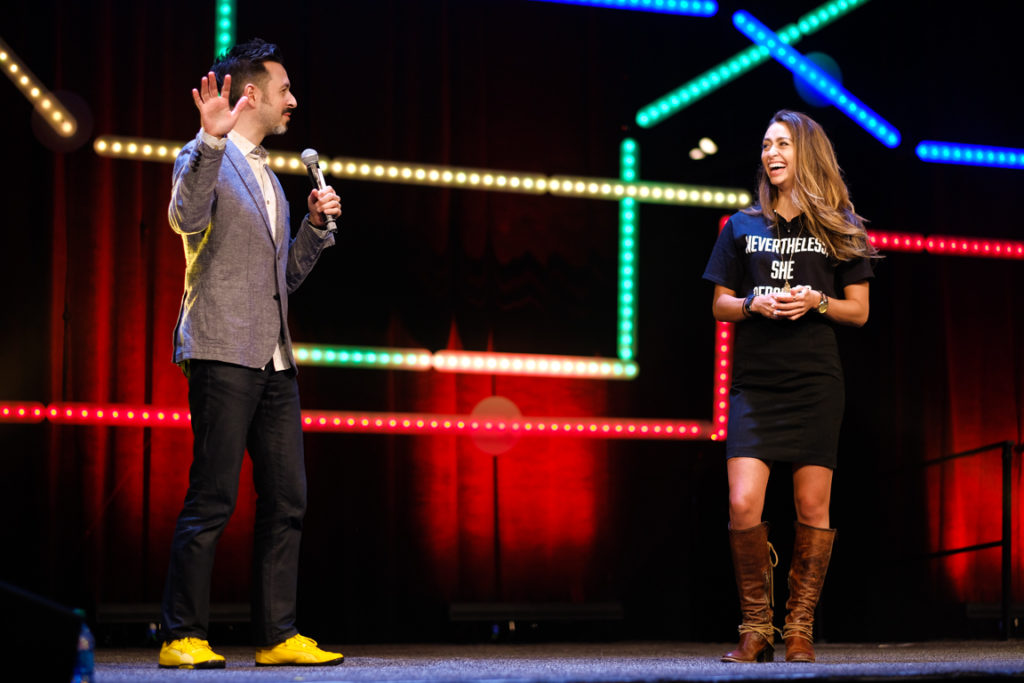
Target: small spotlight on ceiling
708 145
696 154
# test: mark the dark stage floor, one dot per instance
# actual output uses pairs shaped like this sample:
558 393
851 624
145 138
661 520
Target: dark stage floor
580 663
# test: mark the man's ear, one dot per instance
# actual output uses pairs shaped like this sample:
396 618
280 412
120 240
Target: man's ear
250 89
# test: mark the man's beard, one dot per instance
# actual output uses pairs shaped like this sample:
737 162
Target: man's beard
276 126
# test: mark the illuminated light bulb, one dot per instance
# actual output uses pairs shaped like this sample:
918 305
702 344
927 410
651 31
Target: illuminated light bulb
697 154
420 174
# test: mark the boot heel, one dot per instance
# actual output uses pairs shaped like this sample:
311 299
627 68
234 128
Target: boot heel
766 655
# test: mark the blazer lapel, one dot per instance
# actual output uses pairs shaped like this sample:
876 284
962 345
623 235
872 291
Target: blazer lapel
252 186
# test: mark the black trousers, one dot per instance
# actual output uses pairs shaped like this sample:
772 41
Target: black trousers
236 408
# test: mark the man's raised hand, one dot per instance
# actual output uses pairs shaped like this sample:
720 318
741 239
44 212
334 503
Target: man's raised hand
215 113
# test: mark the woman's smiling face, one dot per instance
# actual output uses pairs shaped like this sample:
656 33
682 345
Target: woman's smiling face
778 155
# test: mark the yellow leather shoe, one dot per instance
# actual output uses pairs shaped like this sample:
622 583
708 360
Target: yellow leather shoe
189 653
297 651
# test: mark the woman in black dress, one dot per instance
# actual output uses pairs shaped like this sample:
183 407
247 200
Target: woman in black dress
786 271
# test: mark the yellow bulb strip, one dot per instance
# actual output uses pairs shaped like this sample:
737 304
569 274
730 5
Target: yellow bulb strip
466 178
375 170
46 103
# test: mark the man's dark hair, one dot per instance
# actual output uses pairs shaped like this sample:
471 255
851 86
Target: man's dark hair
245 64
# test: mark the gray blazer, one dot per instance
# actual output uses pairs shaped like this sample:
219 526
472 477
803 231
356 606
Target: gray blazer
237 278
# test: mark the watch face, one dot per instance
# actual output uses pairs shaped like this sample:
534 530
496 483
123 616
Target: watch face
823 306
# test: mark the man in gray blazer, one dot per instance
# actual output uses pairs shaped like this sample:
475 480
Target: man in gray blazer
232 342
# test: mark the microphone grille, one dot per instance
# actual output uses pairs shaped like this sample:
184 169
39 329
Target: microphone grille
310 157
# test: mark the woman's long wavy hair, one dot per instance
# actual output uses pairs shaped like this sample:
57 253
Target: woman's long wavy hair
818 191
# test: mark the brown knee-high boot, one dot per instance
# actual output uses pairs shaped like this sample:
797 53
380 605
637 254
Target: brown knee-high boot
752 562
812 551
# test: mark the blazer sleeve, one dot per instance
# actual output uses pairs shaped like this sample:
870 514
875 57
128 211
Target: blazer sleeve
193 187
305 251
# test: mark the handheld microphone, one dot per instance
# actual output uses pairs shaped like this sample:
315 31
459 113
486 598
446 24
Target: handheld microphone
312 162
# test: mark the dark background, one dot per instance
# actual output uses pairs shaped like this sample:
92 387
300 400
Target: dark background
401 528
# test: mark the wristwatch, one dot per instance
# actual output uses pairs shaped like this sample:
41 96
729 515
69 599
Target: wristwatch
823 304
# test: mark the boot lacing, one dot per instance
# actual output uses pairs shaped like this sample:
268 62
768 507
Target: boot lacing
767 630
800 630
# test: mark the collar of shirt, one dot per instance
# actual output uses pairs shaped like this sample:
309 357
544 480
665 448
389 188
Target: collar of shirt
244 145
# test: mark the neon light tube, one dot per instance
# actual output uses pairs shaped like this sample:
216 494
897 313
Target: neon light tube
121 415
723 372
969 155
696 8
424 423
948 245
722 381
813 75
46 103
629 154
224 29
895 241
372 357
22 411
740 63
974 246
533 365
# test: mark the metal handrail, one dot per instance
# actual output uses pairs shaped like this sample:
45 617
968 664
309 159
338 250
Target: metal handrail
1006 542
